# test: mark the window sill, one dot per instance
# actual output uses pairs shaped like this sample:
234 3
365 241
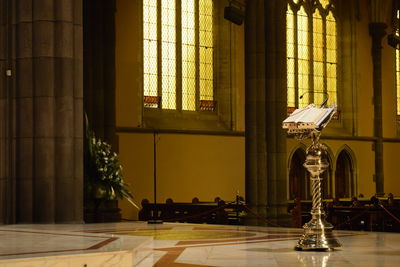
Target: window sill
184 121
172 131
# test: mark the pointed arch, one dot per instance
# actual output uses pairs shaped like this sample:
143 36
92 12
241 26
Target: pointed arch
299 185
299 182
327 182
300 146
329 153
345 182
351 153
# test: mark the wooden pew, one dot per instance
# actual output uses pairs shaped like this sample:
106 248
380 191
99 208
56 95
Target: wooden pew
362 215
197 212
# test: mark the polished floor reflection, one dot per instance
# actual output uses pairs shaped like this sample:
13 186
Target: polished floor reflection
184 245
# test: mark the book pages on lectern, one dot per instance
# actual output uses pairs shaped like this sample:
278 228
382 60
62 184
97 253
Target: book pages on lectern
309 117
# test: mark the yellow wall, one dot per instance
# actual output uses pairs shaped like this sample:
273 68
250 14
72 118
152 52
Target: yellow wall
389 91
188 166
391 168
364 81
129 69
136 156
365 111
363 78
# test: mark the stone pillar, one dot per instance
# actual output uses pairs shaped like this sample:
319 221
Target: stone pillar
48 115
377 32
99 67
7 185
380 14
265 107
276 103
256 146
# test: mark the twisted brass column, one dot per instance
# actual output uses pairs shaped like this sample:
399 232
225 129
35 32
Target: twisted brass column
317 232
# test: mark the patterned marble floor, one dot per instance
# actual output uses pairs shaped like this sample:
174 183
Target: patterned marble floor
184 245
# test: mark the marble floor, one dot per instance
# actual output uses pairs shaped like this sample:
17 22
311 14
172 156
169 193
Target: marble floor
184 245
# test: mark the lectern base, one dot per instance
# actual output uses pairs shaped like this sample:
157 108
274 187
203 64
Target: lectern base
317 236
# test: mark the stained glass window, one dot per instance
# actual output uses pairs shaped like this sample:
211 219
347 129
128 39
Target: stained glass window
150 53
398 75
344 176
311 48
168 54
398 82
188 55
178 54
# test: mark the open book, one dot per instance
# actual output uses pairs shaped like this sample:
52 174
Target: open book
309 117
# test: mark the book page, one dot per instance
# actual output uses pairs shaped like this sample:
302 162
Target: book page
308 117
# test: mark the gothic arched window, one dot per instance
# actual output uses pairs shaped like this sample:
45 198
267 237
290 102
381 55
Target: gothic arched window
299 178
327 181
344 184
299 182
311 32
178 55
398 72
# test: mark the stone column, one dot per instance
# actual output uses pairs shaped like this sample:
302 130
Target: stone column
48 114
266 107
256 146
377 32
380 13
3 108
276 103
99 67
7 185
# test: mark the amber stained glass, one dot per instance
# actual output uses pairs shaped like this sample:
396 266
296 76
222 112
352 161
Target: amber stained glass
188 55
303 49
318 58
311 54
290 48
398 74
150 76
331 58
206 53
160 53
168 54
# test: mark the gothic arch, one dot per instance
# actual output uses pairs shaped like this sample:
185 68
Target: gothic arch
298 178
345 174
351 153
298 146
327 182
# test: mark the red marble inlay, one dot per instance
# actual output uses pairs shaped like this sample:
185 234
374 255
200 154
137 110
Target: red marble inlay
168 260
242 240
114 230
96 246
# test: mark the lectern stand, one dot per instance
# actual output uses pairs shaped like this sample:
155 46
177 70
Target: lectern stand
317 232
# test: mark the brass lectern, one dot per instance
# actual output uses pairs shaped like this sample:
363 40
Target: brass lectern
308 123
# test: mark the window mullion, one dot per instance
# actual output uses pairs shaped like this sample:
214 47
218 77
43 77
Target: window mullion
296 61
325 47
178 50
311 57
159 53
197 53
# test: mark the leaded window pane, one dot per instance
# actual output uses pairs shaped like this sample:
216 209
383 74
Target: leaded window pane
311 48
178 54
398 75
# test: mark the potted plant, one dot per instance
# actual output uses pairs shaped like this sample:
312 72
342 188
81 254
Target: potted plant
104 183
